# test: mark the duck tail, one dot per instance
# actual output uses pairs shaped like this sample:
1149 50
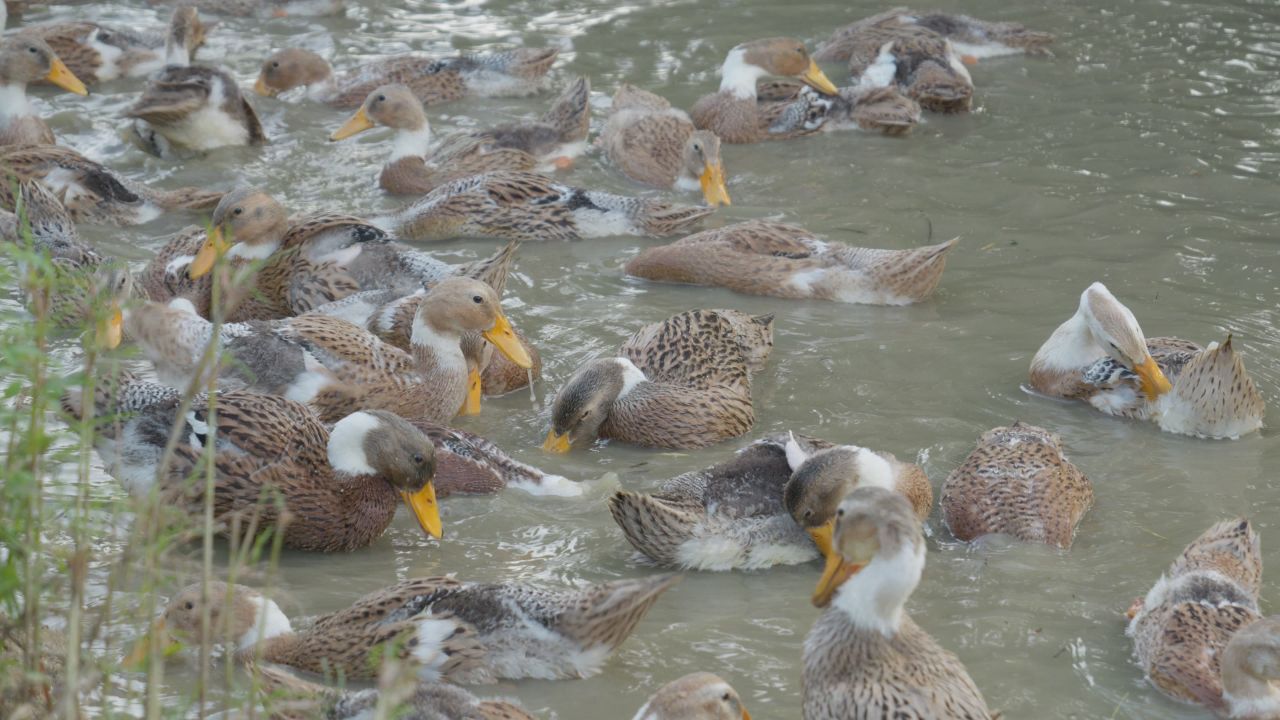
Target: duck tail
604 615
941 89
881 109
907 275
117 393
1231 549
653 526
527 63
570 114
979 32
663 219
492 271
1214 396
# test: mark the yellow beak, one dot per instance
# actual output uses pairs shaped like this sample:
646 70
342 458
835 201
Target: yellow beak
357 123
822 536
212 249
1154 383
818 80
713 189
111 328
62 77
836 572
504 338
261 88
745 715
556 443
423 505
471 406
142 650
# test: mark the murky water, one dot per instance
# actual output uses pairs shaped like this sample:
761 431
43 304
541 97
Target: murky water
1143 155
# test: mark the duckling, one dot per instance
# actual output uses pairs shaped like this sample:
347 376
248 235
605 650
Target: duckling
769 505
528 206
681 383
193 107
696 696
510 73
417 165
741 113
292 697
94 193
338 490
656 144
763 257
266 8
90 288
1101 356
25 59
865 657
330 364
97 53
1198 634
1018 482
467 633
892 49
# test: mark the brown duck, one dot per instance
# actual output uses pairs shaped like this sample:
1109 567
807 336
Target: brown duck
97 53
25 59
681 383
195 108
763 257
468 633
328 490
1017 482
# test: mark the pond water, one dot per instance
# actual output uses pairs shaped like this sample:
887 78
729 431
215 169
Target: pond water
1143 154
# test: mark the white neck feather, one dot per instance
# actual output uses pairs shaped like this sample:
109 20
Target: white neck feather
631 376
795 454
13 101
873 470
322 90
443 344
269 621
873 598
1253 708
346 444
1071 347
411 143
252 251
738 76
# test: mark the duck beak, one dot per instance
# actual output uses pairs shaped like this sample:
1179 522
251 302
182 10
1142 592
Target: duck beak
815 78
424 507
215 244
357 123
836 572
261 88
1154 383
713 189
822 536
745 715
471 406
111 328
141 651
504 338
556 443
61 76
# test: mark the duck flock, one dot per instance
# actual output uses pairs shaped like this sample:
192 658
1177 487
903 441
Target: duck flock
343 354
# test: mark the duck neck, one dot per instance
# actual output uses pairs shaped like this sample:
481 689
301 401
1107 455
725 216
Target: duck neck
435 349
322 88
1247 696
13 99
269 624
1071 347
411 142
738 77
873 600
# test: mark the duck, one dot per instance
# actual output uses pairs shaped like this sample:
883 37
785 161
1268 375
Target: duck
1198 634
290 697
462 632
509 73
194 108
865 656
530 206
329 364
653 143
91 289
31 694
417 164
891 49
970 37
744 112
773 503
98 53
266 8
681 383
1017 481
94 193
307 261
468 464
764 257
338 489
696 696
25 59
1101 356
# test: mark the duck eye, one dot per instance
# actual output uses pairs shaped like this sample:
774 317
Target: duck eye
477 299
238 211
808 514
840 512
189 605
275 64
32 49
382 98
726 697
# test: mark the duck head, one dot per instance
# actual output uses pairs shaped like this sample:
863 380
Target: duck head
25 58
1251 671
290 68
1115 329
238 616
186 35
696 696
584 403
702 161
382 444
458 304
783 56
820 482
394 106
247 224
876 560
